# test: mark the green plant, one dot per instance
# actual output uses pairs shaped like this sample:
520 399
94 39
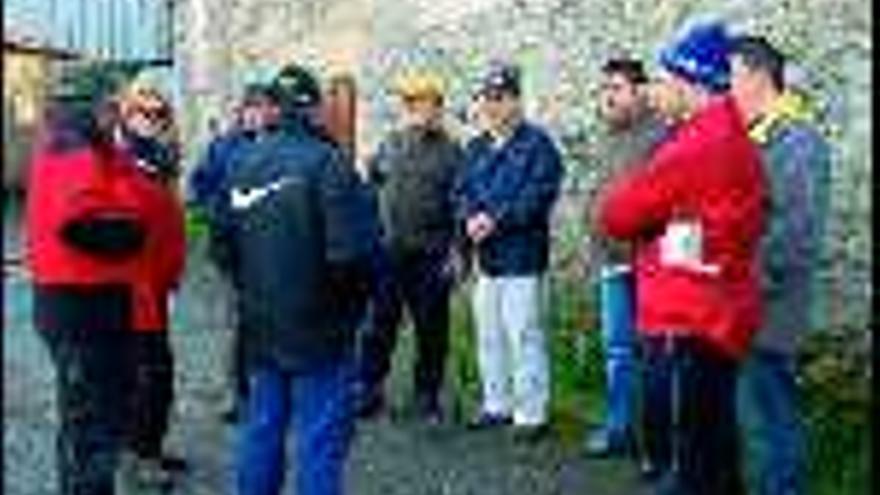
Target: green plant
835 382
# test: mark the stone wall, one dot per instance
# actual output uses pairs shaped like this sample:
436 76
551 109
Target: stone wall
561 45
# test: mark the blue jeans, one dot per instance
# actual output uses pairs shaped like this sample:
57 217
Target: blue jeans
617 313
774 439
320 406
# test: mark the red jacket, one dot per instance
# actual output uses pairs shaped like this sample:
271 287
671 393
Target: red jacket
73 184
709 172
162 263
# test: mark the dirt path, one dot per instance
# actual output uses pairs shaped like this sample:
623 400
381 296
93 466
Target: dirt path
392 455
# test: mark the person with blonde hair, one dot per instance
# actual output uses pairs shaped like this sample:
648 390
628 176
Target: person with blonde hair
147 128
413 171
147 132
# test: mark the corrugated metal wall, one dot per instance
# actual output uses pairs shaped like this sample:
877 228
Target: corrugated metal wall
115 29
92 29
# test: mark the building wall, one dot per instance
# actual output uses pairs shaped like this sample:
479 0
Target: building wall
119 29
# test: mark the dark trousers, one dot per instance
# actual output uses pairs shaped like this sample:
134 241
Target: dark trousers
86 331
239 369
690 417
422 285
221 255
153 392
238 358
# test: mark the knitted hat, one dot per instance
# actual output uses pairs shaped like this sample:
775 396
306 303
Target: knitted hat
700 56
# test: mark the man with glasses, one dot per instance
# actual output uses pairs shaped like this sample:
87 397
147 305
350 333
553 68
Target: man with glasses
504 199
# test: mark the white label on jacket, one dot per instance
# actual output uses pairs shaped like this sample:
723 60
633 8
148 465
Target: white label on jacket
246 197
682 246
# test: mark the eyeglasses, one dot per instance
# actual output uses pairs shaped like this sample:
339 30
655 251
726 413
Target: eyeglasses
492 95
158 114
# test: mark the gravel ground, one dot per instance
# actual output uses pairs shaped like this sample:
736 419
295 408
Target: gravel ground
392 455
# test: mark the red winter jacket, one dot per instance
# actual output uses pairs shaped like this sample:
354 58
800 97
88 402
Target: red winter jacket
706 171
162 263
74 184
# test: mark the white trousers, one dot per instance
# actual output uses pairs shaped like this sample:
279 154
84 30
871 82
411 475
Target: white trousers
511 347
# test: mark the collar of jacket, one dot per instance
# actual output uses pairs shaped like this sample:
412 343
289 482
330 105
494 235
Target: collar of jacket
788 107
419 135
508 134
499 144
703 122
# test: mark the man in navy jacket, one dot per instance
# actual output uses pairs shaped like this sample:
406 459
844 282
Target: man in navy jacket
503 203
305 234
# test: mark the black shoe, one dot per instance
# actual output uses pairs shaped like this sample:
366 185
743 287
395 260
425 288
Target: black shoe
669 484
530 434
173 463
370 405
485 421
230 416
428 410
236 410
605 443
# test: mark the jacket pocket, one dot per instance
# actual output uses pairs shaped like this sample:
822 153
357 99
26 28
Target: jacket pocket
114 235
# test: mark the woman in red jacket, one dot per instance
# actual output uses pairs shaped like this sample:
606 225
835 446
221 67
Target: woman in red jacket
147 134
86 228
695 211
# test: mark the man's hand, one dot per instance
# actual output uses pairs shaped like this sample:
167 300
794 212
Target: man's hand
480 226
456 266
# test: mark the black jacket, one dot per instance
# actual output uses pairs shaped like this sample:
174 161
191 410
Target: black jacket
305 233
414 172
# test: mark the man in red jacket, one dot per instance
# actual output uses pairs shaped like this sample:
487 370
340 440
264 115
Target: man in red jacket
695 212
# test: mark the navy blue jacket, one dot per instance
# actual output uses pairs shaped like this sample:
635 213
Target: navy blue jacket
305 234
207 186
209 191
517 185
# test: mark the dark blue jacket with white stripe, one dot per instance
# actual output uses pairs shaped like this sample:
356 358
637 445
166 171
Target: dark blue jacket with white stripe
517 185
306 236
